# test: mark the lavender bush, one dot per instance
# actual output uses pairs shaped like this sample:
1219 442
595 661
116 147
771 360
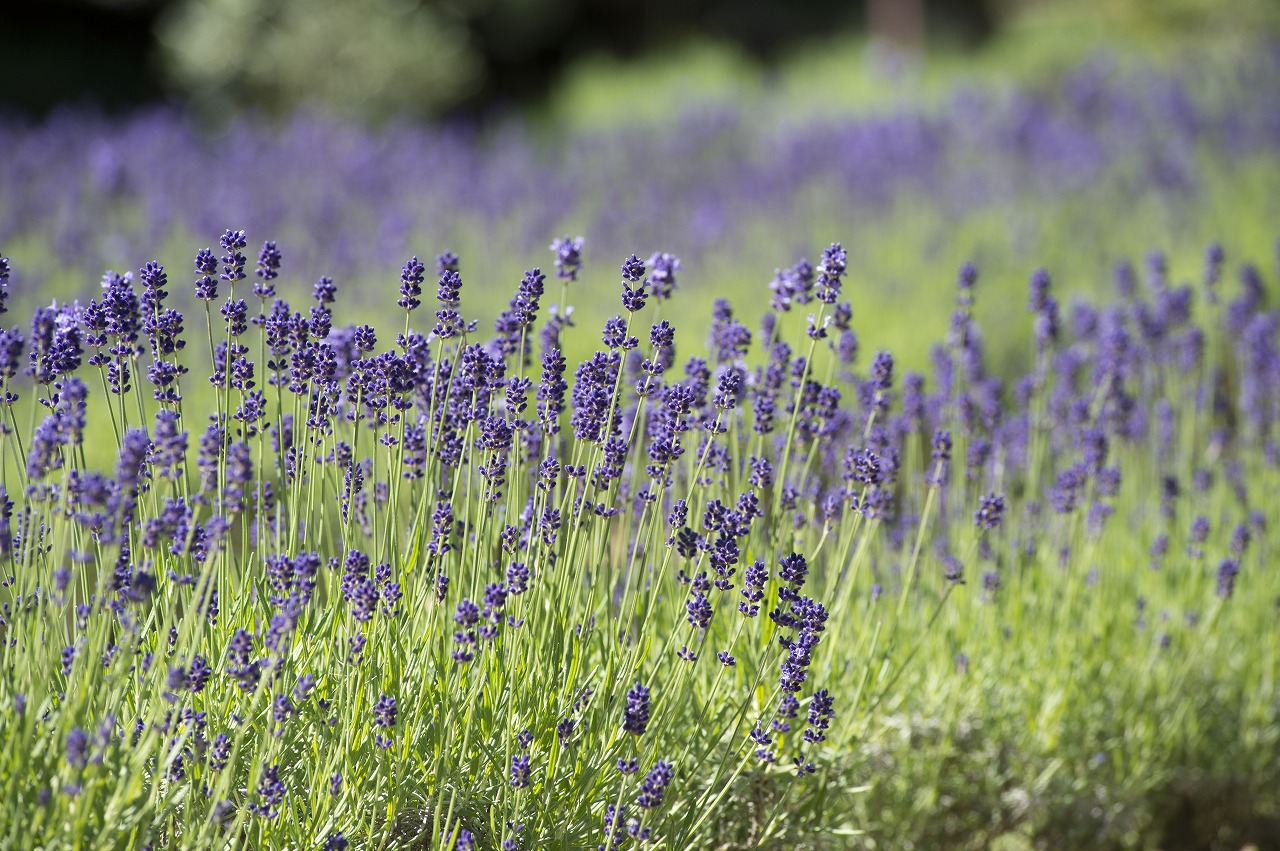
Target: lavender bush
354 561
439 591
730 188
318 589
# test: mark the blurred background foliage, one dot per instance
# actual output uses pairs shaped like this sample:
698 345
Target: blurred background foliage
565 61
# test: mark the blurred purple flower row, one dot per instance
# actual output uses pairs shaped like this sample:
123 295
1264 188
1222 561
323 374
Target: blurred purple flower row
348 199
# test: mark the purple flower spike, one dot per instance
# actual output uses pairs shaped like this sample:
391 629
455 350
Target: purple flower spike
635 717
568 256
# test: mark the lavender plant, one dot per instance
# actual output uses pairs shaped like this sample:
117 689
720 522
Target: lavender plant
426 592
81 192
321 586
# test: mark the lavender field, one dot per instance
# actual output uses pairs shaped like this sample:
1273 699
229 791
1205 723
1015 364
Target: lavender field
366 504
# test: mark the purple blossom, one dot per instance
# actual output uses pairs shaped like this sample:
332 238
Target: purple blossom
990 512
655 785
384 717
698 611
411 278
1228 570
271 790
635 719
830 273
268 270
520 771
568 256
662 275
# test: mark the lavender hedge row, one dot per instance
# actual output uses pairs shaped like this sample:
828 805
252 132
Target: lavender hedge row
433 586
84 193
